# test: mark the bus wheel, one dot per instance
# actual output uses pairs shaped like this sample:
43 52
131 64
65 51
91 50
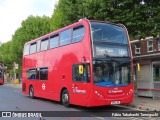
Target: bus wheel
65 98
31 92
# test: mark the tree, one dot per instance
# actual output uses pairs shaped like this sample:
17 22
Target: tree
31 28
141 17
67 12
5 54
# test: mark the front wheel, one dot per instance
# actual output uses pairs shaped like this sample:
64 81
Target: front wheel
65 98
31 92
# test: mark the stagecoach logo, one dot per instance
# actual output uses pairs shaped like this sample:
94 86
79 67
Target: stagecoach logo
116 90
102 51
43 86
75 90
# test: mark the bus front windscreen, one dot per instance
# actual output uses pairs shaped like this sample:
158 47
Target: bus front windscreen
108 33
112 73
111 55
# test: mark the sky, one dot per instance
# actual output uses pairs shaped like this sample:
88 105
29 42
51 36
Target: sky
13 12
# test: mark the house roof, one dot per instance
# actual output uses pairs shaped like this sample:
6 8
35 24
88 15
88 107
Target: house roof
147 38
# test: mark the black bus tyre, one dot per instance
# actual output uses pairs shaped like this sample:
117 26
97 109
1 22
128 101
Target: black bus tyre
65 100
31 92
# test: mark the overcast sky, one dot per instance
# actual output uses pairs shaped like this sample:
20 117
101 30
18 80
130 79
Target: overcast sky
12 12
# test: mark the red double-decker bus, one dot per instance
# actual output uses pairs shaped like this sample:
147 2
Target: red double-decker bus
88 63
1 75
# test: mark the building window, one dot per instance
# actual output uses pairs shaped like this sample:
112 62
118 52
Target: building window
156 72
150 45
137 49
159 44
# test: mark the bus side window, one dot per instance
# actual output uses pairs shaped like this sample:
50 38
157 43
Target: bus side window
78 34
79 76
26 49
33 48
65 37
54 41
44 44
38 46
44 73
31 74
37 73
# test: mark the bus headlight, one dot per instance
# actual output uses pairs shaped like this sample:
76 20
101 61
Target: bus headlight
131 91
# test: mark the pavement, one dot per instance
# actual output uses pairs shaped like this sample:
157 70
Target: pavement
145 103
14 85
141 103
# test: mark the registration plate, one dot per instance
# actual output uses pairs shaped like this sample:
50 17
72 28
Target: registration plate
115 102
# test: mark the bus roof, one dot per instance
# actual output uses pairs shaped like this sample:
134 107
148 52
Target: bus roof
57 31
69 26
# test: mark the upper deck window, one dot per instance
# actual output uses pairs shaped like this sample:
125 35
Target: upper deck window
38 45
65 37
78 34
26 50
44 44
54 41
33 48
108 33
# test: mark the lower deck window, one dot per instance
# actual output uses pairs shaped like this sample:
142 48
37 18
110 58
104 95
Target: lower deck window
37 73
43 73
31 74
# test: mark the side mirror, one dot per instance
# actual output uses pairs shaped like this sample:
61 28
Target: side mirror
81 69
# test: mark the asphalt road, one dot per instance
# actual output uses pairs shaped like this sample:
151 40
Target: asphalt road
12 99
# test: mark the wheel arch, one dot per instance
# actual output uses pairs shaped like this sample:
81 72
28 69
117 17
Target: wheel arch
30 87
63 88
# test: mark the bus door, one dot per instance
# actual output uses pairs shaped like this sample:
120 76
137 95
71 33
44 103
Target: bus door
81 83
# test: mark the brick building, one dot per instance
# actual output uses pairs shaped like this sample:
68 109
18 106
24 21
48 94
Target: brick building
146 53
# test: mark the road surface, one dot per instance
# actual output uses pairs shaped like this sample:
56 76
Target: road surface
12 99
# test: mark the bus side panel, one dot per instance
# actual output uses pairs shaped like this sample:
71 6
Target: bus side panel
52 58
59 62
